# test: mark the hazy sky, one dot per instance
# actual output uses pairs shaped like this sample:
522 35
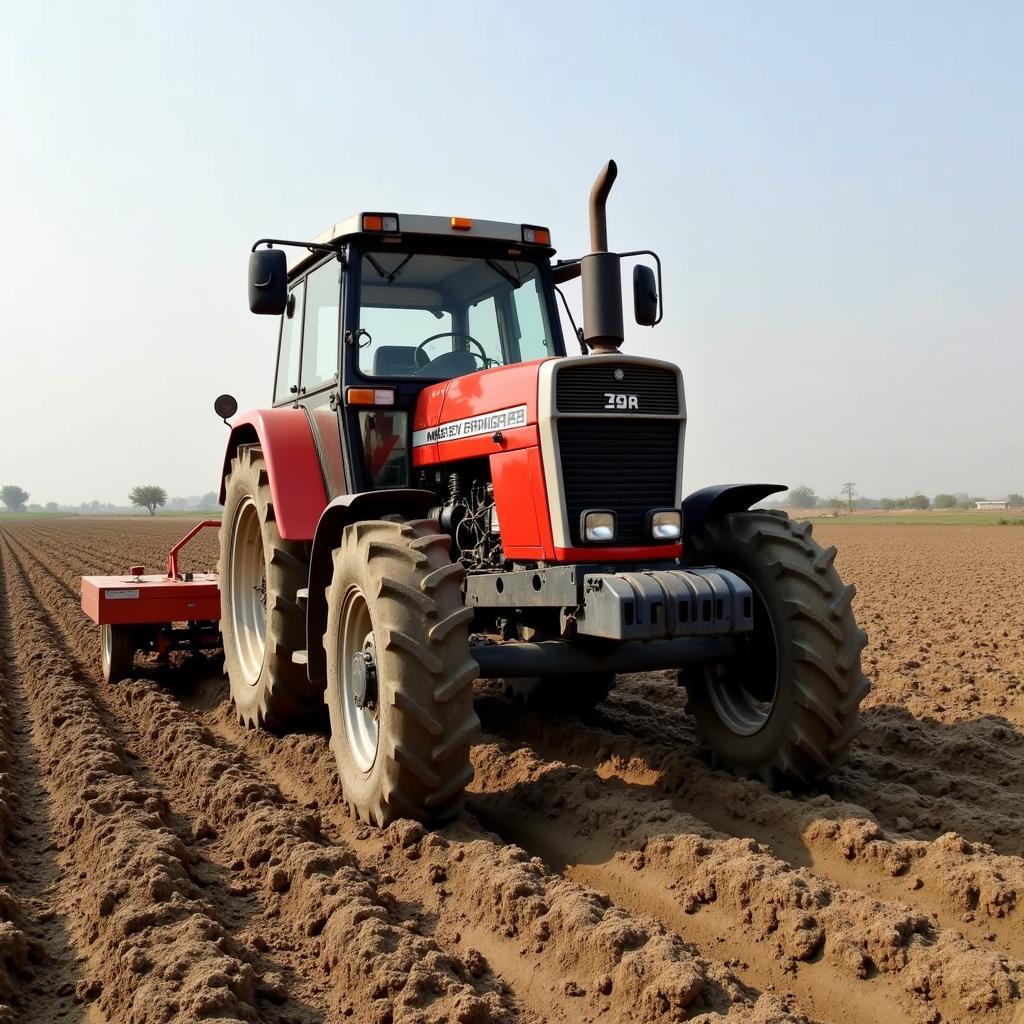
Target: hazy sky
836 192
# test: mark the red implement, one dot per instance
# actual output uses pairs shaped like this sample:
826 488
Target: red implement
135 599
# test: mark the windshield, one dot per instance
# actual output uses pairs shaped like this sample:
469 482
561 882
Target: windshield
422 315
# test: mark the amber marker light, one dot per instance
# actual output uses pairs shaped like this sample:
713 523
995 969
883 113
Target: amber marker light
369 396
461 223
536 236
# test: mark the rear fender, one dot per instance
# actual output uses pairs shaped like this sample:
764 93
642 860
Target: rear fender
409 503
296 480
712 503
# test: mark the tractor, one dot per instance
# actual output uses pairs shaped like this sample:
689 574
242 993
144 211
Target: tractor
440 492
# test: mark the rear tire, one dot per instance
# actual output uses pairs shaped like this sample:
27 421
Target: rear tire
261 620
788 709
117 652
399 672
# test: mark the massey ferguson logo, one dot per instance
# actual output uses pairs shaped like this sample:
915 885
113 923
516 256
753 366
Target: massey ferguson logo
488 423
613 400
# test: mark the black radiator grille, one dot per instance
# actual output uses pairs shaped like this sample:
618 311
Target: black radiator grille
626 465
583 388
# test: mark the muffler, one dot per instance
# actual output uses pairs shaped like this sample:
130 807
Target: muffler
601 274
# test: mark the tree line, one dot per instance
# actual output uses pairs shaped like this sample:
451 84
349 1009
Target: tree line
147 496
804 497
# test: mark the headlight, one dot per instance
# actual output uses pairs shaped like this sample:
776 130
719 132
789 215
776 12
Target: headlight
665 523
598 526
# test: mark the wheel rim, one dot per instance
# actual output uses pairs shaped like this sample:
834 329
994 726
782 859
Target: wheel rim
248 583
744 692
362 724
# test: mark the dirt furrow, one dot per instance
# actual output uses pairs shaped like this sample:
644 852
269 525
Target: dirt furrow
153 945
918 776
711 895
632 962
788 926
35 957
965 886
315 897
485 892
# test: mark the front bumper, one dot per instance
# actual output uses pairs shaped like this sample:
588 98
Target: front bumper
664 604
646 604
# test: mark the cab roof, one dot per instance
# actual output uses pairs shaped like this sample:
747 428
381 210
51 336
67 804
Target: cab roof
419 224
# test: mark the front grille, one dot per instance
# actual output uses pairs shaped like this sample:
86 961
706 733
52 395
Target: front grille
626 465
582 388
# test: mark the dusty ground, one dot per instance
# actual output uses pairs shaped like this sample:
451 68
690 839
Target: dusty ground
160 863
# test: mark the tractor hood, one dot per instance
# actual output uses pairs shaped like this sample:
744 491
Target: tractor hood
480 414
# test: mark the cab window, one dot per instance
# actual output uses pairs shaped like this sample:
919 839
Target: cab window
290 345
320 337
438 316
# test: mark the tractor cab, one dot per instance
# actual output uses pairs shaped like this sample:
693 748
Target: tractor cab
381 306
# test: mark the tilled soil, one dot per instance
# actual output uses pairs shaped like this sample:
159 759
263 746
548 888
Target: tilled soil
159 862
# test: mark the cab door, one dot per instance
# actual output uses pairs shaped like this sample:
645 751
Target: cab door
318 390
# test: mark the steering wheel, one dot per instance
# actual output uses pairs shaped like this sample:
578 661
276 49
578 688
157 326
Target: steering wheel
422 360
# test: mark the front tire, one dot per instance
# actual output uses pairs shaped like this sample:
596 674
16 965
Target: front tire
399 672
786 710
261 621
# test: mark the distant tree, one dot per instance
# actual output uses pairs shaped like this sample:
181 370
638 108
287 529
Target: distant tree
209 500
888 504
52 506
963 500
1015 500
801 497
849 489
14 497
148 496
944 501
918 501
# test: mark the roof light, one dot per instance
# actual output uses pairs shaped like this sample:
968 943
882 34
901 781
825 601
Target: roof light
461 223
369 396
380 221
535 235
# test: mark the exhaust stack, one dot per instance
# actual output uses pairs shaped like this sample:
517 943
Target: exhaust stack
601 275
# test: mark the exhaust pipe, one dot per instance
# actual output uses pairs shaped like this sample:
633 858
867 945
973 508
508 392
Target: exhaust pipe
601 275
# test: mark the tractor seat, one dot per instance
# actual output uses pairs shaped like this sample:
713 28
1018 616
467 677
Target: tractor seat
394 361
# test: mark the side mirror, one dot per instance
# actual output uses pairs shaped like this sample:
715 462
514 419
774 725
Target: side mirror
268 281
225 406
645 296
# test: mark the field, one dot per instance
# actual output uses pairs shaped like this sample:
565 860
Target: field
158 862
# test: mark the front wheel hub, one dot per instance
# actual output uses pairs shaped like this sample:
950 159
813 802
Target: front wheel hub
364 680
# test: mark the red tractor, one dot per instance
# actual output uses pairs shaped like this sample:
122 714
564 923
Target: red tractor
440 492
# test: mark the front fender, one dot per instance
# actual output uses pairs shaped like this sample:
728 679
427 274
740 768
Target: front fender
410 503
296 480
711 503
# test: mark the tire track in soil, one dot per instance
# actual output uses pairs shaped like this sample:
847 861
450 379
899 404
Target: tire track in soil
919 778
547 935
154 946
845 955
962 885
637 963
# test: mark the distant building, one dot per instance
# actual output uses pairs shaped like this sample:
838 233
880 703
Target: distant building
992 506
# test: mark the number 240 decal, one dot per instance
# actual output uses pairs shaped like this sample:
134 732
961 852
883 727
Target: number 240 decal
616 401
